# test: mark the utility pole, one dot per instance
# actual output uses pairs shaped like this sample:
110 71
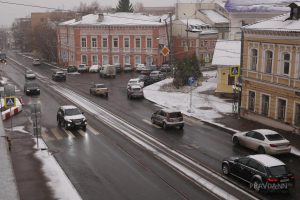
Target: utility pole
168 39
171 40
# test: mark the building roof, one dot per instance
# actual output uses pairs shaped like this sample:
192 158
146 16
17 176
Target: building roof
193 22
227 53
278 23
214 16
257 5
129 19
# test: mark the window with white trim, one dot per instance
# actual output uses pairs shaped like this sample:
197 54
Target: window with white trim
251 101
281 108
268 61
253 59
83 42
137 42
116 59
115 42
265 104
127 59
104 60
95 59
104 42
149 43
94 42
126 42
138 60
286 59
83 59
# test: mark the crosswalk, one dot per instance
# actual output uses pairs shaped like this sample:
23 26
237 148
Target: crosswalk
58 133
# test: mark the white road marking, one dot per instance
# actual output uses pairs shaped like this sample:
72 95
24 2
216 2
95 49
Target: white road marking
92 130
82 133
150 123
56 134
70 134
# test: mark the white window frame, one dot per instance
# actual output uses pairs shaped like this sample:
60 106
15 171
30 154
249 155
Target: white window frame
126 37
117 58
151 43
113 42
283 62
105 56
254 100
261 107
266 61
276 108
81 42
135 42
135 59
102 42
86 57
127 56
294 112
251 59
92 58
92 42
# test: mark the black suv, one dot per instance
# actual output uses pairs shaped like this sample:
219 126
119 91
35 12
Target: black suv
262 172
69 116
71 69
31 88
59 76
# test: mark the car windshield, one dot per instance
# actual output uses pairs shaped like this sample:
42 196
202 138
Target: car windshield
100 86
59 73
274 137
133 82
72 111
136 89
29 72
175 114
31 84
278 170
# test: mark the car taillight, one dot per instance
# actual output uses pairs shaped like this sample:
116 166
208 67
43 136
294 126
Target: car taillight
273 145
272 180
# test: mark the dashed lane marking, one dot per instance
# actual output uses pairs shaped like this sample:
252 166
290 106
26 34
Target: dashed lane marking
82 133
70 134
92 130
150 123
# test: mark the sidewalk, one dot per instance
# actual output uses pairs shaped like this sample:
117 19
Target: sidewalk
8 185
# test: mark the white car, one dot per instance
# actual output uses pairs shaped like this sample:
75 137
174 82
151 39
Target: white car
140 67
36 62
83 68
263 141
94 68
135 81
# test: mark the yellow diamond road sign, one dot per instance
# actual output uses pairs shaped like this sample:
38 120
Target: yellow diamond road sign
9 102
165 51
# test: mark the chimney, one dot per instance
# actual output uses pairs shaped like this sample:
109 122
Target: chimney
100 17
78 17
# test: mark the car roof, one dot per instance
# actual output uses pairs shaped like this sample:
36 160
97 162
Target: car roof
169 110
266 131
99 84
68 107
136 86
59 72
267 160
134 79
155 72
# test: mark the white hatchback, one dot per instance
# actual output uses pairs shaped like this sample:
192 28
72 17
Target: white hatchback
263 141
135 81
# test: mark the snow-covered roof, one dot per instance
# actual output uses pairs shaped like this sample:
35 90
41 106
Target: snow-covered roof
214 16
278 23
257 5
227 53
267 160
129 19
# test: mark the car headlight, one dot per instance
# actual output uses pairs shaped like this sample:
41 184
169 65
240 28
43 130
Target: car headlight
27 90
38 89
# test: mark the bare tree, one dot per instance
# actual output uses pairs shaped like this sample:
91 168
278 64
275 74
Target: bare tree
85 9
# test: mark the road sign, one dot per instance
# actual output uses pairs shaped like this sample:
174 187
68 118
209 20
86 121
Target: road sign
191 81
165 51
9 102
235 71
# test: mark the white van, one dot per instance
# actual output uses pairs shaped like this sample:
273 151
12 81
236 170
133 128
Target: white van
107 71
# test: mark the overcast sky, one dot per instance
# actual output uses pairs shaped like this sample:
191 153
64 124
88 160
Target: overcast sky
9 12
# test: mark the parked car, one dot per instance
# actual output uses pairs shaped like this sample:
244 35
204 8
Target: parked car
262 172
94 68
135 91
29 74
140 67
70 116
168 118
3 57
31 88
146 79
135 81
146 71
107 71
36 62
127 68
165 68
83 68
99 89
71 69
157 75
118 67
263 141
59 76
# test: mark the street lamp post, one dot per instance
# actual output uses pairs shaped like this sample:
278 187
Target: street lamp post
187 32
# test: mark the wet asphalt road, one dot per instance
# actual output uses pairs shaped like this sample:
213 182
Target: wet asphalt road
90 160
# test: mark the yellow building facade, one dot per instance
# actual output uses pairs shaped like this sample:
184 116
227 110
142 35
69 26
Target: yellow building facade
271 72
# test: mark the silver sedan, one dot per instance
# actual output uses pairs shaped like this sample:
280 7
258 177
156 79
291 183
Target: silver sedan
263 141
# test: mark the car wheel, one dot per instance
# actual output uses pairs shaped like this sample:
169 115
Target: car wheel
152 120
58 122
261 150
225 169
84 128
236 141
165 125
181 126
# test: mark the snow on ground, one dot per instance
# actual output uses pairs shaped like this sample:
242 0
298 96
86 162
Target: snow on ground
204 106
18 129
58 181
